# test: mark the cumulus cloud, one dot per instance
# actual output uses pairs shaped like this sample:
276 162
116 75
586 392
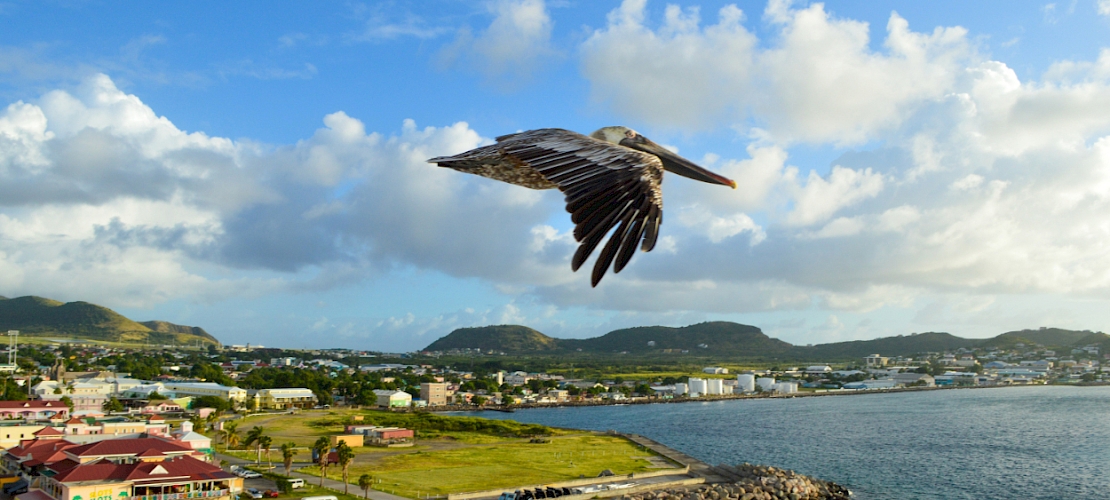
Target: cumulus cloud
512 48
820 82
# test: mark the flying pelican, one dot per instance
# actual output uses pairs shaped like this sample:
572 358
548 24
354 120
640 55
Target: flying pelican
610 177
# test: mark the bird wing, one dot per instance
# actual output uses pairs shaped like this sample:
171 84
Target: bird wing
606 186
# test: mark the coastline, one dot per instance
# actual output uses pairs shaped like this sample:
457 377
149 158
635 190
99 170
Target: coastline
711 398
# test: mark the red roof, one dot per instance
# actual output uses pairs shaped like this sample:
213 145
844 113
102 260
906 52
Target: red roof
132 446
33 404
187 468
49 431
39 448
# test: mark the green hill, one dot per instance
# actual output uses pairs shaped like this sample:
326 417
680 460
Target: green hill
42 317
506 338
719 337
901 345
732 340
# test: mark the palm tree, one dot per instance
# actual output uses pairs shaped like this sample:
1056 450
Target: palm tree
198 423
231 437
264 442
346 455
365 481
321 447
287 452
253 436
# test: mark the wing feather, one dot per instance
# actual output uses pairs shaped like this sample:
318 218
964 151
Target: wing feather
608 189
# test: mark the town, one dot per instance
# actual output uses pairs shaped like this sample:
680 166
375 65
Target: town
73 411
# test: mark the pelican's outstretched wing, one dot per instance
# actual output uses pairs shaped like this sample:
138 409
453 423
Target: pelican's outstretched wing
606 186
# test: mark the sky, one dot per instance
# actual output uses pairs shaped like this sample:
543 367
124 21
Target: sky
258 169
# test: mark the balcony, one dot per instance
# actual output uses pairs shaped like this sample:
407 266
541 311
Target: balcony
184 496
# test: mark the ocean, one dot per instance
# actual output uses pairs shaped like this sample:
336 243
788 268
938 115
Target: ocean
1040 442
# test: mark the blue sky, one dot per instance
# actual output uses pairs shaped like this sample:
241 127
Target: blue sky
257 171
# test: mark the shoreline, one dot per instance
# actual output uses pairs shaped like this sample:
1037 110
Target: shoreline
714 398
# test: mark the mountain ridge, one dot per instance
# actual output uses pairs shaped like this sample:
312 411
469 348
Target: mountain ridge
721 338
43 317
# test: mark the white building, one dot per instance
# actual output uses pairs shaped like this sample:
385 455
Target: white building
393 399
197 389
818 370
785 387
698 386
746 383
714 370
765 383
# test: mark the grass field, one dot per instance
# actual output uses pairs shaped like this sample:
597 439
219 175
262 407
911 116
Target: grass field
507 463
495 455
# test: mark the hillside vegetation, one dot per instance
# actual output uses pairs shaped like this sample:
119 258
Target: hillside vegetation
719 340
42 317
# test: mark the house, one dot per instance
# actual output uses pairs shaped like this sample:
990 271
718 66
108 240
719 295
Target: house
161 407
279 399
197 389
875 361
33 411
392 399
146 477
433 393
818 370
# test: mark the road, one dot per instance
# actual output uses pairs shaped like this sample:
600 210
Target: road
314 480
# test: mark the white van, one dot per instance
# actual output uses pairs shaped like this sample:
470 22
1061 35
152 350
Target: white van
296 483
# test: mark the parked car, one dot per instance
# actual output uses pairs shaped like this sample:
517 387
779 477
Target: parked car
254 493
296 483
247 474
270 494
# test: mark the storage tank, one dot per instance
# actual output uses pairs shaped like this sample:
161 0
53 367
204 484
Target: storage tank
715 386
786 387
698 385
766 383
747 383
681 388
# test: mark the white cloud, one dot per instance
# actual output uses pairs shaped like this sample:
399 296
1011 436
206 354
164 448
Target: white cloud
634 67
718 73
514 46
820 198
1103 7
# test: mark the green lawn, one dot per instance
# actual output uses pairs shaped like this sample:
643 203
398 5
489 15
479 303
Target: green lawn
505 464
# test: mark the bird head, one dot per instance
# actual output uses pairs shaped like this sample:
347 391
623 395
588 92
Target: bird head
629 138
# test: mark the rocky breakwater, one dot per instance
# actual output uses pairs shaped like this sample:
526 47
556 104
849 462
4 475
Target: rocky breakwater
753 482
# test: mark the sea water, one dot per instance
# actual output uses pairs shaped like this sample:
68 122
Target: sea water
1050 442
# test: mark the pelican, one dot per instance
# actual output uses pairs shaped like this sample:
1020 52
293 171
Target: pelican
611 178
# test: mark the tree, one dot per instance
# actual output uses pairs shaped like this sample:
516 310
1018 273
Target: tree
231 437
154 396
264 442
220 404
253 436
321 447
287 452
345 455
198 423
66 400
365 481
112 405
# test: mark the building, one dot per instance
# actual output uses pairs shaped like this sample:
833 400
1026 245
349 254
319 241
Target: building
715 370
392 399
33 411
715 386
355 440
280 399
765 384
876 361
818 370
197 389
745 383
698 386
434 393
389 436
144 478
913 379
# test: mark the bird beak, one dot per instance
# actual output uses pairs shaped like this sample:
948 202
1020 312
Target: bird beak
675 163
